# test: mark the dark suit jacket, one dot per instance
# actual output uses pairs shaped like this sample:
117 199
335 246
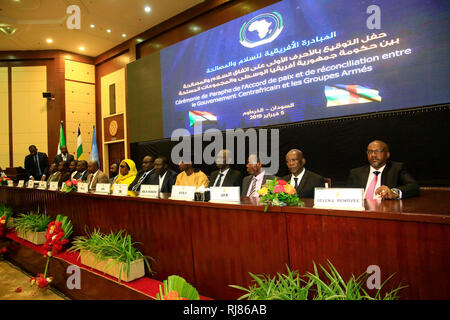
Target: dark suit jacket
59 158
248 179
81 177
305 187
232 179
394 176
169 181
138 176
31 167
63 178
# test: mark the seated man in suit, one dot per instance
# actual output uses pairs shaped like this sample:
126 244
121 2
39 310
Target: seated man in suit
95 175
143 176
63 156
63 168
73 168
382 178
304 181
36 164
225 177
113 172
82 172
54 173
253 182
190 176
164 177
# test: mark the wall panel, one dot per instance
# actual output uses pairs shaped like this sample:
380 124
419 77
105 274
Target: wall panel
29 114
4 119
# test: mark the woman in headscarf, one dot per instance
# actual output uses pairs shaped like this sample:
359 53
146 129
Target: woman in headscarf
127 172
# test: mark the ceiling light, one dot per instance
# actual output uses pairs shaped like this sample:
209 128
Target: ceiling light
108 30
81 48
123 35
147 9
49 40
92 26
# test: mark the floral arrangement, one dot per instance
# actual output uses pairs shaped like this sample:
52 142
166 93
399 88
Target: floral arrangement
5 214
2 225
176 288
4 181
70 186
278 193
57 235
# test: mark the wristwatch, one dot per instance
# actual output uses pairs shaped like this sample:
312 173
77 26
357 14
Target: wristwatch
396 192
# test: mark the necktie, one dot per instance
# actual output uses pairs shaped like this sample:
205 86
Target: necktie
138 184
38 166
295 182
371 189
253 189
218 180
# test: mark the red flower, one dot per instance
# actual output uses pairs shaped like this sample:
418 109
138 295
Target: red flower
68 183
281 182
19 289
278 189
74 182
3 250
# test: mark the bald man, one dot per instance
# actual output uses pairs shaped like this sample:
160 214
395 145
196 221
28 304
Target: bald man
95 175
143 176
382 178
304 181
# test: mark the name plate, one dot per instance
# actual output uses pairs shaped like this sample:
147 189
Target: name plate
225 194
42 185
10 183
183 193
102 188
21 183
120 190
83 187
30 184
149 191
53 186
339 198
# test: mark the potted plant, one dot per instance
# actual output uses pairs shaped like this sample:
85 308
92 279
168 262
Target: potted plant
278 193
32 227
4 181
292 286
176 288
113 254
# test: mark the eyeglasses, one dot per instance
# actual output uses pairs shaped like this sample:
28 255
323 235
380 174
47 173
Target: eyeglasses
369 152
123 166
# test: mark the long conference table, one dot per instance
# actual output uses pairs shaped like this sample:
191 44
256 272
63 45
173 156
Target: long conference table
216 245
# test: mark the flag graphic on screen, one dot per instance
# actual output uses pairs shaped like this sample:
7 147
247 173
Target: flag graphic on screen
79 144
201 116
341 94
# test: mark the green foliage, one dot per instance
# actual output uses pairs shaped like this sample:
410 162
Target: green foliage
31 222
179 285
6 211
66 225
282 287
117 247
330 287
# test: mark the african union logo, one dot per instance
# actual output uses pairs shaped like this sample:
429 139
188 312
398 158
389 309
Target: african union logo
262 29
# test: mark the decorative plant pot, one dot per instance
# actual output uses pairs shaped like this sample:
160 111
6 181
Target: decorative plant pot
10 223
137 269
37 238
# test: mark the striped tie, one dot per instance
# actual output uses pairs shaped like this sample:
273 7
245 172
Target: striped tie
253 189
